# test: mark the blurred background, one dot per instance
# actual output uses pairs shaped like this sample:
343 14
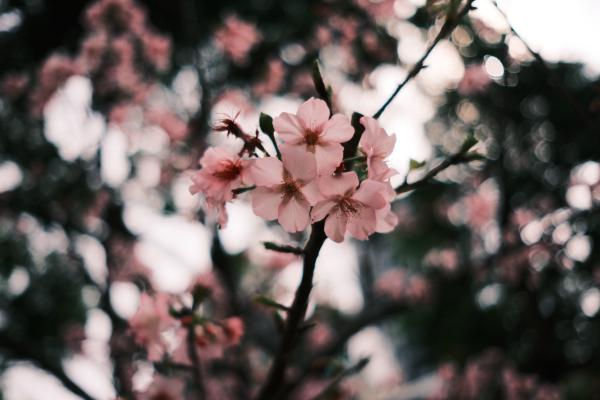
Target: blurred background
488 288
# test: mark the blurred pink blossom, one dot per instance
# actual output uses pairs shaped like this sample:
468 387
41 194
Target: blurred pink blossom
150 321
475 80
236 38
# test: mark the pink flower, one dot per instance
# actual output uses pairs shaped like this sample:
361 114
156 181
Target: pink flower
377 145
285 190
221 172
313 130
236 38
149 322
173 125
349 209
157 50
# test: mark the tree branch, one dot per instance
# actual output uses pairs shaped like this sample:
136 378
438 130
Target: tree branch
276 376
449 25
458 158
196 365
283 248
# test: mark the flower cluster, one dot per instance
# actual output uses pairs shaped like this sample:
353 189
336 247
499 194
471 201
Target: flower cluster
310 181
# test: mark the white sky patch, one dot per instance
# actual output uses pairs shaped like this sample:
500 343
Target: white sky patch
94 257
93 377
69 122
243 229
114 162
173 248
590 302
10 176
24 381
558 29
383 366
336 277
579 247
124 298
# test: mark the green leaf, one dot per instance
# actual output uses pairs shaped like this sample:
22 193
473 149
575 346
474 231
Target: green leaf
264 300
414 164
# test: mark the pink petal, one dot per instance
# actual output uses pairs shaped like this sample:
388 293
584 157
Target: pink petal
321 210
329 156
265 202
339 184
266 171
313 114
337 129
386 219
298 162
375 141
289 128
335 226
362 224
371 193
311 192
294 215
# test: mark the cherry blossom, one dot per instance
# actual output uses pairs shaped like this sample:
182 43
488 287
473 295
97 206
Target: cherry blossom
285 190
377 145
221 172
312 130
149 322
347 208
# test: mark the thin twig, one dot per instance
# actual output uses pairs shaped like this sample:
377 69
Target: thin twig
356 368
196 365
283 248
553 78
458 158
449 25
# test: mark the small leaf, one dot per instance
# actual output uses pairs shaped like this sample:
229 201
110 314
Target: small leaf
266 124
264 300
414 164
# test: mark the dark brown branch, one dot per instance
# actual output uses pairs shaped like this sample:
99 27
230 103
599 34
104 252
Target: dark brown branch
372 315
276 376
283 248
356 368
458 158
449 25
196 365
23 352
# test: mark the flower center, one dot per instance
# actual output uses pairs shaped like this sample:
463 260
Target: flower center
312 139
289 188
350 207
228 170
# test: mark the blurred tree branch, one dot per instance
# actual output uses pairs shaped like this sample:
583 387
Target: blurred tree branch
449 25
